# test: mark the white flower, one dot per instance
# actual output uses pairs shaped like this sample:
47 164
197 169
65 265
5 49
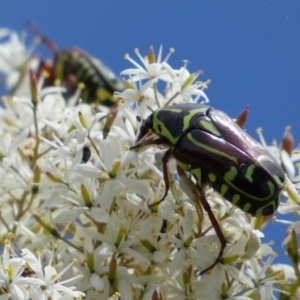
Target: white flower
151 68
185 245
280 154
261 281
184 86
8 147
15 61
101 208
140 95
53 286
11 276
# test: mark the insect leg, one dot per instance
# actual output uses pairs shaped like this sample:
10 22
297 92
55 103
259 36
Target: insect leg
215 225
165 160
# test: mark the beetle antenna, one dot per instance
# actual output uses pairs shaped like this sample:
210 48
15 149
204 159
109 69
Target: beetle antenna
45 40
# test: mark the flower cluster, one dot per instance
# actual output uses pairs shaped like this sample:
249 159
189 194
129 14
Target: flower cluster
74 191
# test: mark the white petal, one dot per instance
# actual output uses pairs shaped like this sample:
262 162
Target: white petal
125 290
68 214
187 224
16 292
87 170
288 164
159 256
138 256
32 261
99 214
96 282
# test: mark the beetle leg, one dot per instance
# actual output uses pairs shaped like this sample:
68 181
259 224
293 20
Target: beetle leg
165 160
159 141
215 225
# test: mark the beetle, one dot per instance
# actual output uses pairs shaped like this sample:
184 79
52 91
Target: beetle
86 154
209 145
73 65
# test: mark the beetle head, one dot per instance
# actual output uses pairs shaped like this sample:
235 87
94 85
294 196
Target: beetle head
146 128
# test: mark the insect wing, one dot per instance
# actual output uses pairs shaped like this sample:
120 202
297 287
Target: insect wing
237 137
237 170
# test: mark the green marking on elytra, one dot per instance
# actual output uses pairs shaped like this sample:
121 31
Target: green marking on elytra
246 207
160 128
263 158
212 150
278 181
210 127
259 212
198 174
172 109
249 173
183 165
224 189
187 118
235 198
231 174
271 187
212 177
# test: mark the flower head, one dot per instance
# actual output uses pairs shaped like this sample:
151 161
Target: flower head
77 189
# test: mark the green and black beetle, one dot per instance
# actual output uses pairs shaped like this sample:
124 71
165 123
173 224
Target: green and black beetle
208 144
73 65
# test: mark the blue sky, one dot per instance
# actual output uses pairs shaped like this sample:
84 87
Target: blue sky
250 49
